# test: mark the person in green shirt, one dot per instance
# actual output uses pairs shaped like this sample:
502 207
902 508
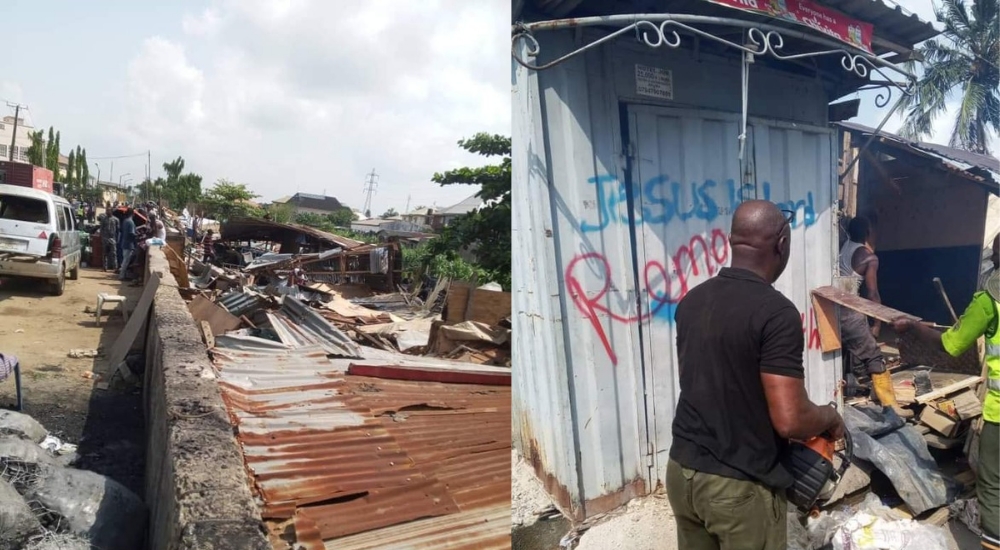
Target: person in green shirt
981 318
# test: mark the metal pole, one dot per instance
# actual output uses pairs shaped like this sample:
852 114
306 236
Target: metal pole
13 139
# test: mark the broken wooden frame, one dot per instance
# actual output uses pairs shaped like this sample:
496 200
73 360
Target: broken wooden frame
827 299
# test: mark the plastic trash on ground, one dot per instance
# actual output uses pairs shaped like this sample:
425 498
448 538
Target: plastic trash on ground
56 446
901 454
872 526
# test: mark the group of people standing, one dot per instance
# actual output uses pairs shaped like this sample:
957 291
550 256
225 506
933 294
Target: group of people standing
124 231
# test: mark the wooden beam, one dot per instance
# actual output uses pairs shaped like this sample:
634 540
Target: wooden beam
861 305
950 388
828 323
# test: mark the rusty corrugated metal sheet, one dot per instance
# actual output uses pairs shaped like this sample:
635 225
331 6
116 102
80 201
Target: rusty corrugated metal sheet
341 455
298 325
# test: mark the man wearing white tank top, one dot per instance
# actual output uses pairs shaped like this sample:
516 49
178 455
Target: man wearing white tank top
858 261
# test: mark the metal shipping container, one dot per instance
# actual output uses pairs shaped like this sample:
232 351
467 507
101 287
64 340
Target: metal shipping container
622 204
26 175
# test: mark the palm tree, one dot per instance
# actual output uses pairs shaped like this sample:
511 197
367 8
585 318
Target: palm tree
964 62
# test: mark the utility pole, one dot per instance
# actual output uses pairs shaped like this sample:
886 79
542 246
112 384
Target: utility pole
13 140
407 211
371 185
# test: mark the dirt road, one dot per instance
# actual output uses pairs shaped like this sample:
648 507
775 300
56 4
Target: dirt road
41 330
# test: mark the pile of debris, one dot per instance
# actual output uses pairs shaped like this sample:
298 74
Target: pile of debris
47 505
370 411
335 283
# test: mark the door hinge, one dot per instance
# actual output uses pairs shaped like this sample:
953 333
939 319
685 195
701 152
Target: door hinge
650 454
630 150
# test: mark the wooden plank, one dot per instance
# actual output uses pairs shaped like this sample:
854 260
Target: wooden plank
949 389
967 405
458 297
828 324
488 306
221 321
940 442
938 518
861 305
178 268
206 332
122 345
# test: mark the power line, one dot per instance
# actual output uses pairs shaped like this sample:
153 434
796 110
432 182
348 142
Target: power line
121 156
371 185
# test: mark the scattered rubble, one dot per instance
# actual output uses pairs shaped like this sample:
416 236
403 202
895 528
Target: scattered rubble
312 335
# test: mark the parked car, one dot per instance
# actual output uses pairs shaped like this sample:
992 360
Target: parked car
38 237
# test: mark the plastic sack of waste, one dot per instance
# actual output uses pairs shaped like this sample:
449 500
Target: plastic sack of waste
56 541
967 512
902 456
91 506
17 521
798 537
875 526
872 419
867 532
21 425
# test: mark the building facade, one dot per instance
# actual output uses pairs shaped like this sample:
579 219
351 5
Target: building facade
22 143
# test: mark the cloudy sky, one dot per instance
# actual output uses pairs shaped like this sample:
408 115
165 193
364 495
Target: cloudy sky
283 95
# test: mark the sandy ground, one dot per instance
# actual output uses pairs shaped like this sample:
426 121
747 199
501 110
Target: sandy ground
643 524
527 497
40 330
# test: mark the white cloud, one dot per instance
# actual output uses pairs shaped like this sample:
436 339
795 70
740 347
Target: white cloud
309 95
205 24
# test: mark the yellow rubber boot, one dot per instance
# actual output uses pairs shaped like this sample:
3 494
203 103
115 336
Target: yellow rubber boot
882 387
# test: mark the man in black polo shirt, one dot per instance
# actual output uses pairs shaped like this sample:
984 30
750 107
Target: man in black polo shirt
740 346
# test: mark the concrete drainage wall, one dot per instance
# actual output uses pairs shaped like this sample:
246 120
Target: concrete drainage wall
196 483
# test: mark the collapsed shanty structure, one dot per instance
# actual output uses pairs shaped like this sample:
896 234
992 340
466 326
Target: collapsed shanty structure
367 416
637 132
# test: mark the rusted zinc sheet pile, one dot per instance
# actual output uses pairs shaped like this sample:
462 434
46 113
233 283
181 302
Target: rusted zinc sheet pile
357 429
341 460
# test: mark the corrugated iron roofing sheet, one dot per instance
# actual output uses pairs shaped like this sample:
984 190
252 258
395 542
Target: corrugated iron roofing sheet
981 167
345 454
299 325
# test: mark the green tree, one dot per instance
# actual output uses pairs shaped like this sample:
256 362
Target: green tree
281 212
52 153
83 168
178 189
36 151
389 213
341 218
312 220
487 229
229 200
73 186
965 63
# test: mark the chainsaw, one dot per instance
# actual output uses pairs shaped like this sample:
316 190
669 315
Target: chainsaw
811 465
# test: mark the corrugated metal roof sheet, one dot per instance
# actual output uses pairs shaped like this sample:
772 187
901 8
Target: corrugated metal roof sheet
346 454
259 229
299 325
981 167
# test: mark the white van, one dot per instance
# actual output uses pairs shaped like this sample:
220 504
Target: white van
38 237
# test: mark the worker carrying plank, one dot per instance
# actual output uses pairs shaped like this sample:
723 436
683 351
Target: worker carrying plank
740 348
859 264
980 318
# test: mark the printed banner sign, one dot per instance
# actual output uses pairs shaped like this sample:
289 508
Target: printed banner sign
806 12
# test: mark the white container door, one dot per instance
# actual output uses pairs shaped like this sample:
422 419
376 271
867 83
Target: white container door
686 179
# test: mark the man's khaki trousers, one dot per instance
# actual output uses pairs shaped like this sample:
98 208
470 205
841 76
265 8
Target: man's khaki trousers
719 513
